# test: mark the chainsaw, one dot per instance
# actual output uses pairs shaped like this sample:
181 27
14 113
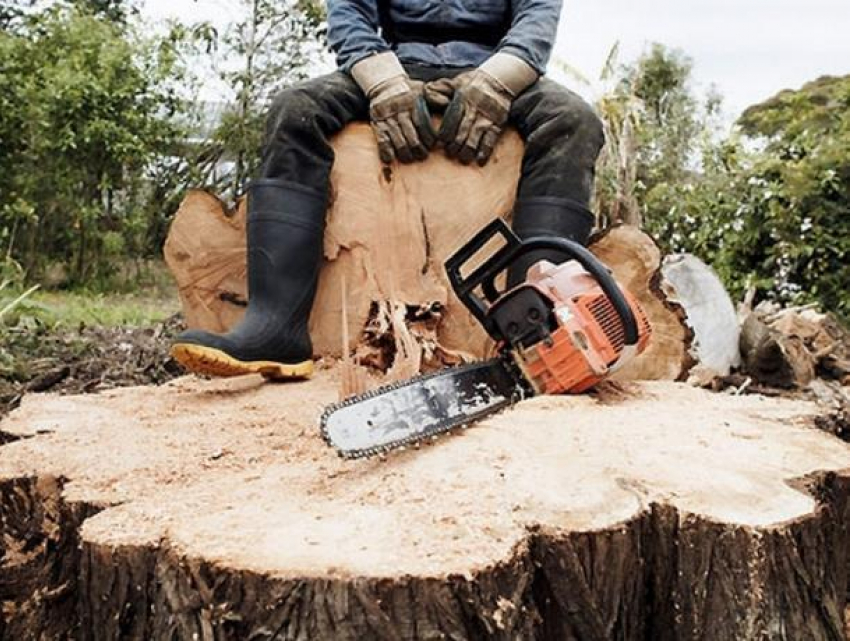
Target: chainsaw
563 330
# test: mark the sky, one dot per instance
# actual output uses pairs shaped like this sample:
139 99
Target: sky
748 49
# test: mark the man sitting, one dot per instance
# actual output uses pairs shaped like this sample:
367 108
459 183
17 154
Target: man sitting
483 61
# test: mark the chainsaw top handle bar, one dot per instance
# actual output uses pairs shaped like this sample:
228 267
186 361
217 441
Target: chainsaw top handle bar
514 248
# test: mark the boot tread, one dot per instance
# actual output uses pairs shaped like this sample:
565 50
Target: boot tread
214 362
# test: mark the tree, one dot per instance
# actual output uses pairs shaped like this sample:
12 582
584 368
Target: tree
85 105
767 205
789 231
656 127
273 46
115 11
101 135
11 12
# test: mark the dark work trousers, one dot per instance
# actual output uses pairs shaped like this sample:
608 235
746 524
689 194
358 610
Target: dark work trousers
563 136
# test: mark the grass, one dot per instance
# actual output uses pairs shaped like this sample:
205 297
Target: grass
152 301
79 340
72 309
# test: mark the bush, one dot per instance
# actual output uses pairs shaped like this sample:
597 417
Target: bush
86 104
768 206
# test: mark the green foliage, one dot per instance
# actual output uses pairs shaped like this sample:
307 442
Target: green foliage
11 12
34 321
272 47
115 11
656 130
771 210
791 228
102 133
768 206
73 309
86 105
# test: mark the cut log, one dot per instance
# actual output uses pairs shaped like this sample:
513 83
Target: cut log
774 358
206 253
788 347
388 231
388 234
213 510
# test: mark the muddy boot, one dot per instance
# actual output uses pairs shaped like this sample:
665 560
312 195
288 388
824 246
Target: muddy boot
548 216
285 227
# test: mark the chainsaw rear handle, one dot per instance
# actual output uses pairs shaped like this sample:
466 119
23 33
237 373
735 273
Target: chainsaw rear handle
514 248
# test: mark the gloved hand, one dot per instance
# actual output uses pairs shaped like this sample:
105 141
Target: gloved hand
477 114
439 93
397 110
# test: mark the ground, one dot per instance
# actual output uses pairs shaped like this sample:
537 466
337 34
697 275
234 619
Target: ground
73 342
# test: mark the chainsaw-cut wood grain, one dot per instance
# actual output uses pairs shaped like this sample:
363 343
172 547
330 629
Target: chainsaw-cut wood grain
213 510
205 250
389 231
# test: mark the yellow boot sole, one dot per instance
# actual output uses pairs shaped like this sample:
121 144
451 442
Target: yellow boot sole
214 362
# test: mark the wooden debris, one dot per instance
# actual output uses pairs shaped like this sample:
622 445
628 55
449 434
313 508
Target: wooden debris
774 358
789 347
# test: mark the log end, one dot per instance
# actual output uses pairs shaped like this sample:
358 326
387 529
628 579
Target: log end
214 507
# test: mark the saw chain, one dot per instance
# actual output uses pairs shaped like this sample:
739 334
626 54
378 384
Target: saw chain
419 409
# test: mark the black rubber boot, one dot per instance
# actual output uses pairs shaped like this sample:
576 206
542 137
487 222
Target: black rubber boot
548 216
285 229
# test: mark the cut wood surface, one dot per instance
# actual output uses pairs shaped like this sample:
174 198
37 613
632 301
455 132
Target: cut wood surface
206 253
389 231
213 510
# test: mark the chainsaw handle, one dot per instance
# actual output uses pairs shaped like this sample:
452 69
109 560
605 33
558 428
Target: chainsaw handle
514 248
464 287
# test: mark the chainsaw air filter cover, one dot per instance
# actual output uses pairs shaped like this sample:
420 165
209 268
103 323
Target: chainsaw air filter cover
586 342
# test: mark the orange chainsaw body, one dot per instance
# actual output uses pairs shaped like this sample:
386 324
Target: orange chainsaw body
567 326
588 340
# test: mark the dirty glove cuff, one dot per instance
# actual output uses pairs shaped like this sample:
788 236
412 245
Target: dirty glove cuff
374 73
514 74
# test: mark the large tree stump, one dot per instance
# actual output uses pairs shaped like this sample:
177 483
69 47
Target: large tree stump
213 510
389 231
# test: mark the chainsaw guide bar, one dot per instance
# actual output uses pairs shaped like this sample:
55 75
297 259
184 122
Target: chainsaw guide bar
567 327
420 408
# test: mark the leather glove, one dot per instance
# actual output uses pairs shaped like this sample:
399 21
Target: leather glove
397 110
479 110
439 93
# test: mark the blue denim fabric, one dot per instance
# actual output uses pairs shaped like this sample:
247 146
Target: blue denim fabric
527 29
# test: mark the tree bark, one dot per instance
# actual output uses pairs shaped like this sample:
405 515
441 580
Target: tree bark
213 510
